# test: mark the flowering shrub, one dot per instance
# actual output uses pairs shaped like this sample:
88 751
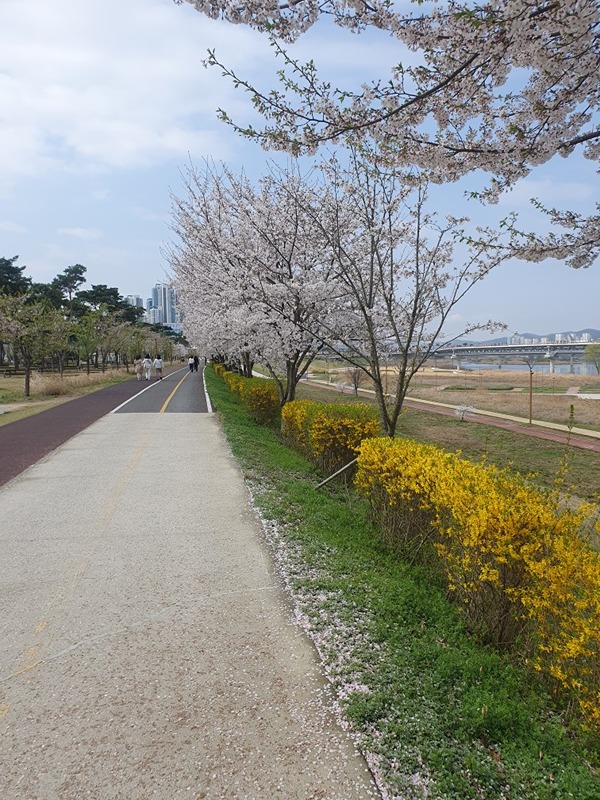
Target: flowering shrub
234 382
258 395
296 419
512 556
328 434
260 399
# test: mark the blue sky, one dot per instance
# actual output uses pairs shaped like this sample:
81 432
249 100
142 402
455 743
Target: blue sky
102 103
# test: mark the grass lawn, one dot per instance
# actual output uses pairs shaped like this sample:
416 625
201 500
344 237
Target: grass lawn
520 452
437 715
49 390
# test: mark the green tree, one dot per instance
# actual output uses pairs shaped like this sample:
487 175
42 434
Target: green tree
12 280
100 295
108 297
60 337
68 282
591 355
109 326
45 293
27 327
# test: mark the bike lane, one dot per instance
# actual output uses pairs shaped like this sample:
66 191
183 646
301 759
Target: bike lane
27 440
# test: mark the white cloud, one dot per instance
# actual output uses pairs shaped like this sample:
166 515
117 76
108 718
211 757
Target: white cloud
106 84
85 234
11 227
148 215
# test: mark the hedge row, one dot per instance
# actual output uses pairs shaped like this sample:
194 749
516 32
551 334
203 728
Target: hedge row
513 557
328 434
258 395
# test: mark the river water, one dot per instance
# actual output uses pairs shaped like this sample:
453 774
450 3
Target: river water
559 369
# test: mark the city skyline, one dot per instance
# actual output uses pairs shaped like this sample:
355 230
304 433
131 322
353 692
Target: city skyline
160 308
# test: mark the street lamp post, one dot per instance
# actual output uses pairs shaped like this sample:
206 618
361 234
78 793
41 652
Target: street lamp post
530 362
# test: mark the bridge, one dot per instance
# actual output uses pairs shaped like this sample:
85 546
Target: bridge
538 352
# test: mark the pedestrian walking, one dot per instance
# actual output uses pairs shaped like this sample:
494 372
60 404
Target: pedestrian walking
191 363
158 367
138 367
147 364
196 362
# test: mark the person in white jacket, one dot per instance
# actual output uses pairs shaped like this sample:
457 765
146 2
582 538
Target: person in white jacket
158 367
147 365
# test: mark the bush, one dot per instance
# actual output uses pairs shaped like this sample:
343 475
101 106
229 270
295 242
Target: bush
234 382
513 557
258 395
260 399
328 434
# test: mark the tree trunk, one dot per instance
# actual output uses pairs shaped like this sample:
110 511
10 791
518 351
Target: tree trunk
247 365
387 427
291 381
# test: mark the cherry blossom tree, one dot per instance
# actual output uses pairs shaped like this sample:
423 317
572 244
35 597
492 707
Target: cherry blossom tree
248 267
397 272
496 86
350 259
208 261
26 326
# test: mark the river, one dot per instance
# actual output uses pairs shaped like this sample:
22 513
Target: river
559 369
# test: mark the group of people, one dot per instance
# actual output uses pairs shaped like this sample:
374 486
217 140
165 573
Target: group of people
143 367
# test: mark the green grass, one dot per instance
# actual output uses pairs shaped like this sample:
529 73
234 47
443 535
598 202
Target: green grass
11 391
11 396
517 451
430 706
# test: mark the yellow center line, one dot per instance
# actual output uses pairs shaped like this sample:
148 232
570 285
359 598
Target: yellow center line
26 668
170 397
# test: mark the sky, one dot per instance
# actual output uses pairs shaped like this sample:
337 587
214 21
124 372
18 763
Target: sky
103 103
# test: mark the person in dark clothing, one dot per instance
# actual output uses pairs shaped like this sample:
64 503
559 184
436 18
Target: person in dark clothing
196 362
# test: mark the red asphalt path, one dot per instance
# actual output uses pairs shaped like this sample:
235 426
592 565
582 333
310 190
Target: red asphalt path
550 434
25 441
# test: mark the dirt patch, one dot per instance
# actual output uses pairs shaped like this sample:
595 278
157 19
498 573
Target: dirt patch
508 393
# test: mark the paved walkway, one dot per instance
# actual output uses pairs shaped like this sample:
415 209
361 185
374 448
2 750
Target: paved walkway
147 649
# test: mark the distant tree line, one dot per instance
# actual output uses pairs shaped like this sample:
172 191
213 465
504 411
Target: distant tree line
57 325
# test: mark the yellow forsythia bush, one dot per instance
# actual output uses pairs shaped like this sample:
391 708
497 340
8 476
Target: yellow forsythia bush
260 399
513 557
234 382
296 419
328 434
258 395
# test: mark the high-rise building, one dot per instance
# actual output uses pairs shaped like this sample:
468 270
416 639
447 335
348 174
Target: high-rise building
135 300
161 307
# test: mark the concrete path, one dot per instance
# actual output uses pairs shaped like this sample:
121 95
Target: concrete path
147 651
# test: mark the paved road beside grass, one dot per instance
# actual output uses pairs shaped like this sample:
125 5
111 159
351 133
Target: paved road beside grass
26 440
147 649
